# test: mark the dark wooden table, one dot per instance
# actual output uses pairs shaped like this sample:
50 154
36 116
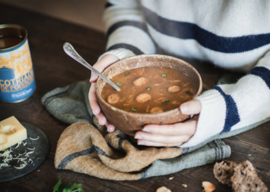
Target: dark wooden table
53 68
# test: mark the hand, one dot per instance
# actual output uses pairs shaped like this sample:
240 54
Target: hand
103 63
171 135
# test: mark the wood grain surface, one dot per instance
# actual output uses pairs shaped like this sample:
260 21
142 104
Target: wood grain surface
53 68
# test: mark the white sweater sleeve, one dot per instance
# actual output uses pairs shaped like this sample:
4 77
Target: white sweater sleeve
234 106
126 30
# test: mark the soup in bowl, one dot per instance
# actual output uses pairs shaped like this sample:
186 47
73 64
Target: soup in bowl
152 89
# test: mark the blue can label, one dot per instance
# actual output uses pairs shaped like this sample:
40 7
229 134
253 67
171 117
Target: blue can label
17 81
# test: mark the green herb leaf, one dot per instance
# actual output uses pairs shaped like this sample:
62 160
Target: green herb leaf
133 109
166 102
75 187
57 185
148 89
72 187
188 92
118 84
164 75
127 73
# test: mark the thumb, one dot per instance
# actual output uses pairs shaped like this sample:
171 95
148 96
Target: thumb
93 77
191 107
103 63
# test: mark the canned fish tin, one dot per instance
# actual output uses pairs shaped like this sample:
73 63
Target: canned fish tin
17 81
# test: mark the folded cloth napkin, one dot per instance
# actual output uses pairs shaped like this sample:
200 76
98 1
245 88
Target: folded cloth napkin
86 147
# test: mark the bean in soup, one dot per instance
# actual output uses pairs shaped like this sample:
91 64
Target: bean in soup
149 90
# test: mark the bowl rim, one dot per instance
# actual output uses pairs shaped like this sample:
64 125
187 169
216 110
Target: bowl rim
149 114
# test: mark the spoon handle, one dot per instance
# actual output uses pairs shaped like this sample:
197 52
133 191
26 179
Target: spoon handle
70 51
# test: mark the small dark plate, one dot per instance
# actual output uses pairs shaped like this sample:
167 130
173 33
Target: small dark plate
40 153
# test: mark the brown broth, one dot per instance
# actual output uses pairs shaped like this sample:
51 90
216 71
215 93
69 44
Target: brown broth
158 80
9 41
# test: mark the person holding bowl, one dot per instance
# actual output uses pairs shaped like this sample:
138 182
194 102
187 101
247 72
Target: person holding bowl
233 35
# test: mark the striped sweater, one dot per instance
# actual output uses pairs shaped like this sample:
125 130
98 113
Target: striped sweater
232 34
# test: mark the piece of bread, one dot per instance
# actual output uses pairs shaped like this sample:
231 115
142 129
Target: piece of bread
245 178
242 177
223 171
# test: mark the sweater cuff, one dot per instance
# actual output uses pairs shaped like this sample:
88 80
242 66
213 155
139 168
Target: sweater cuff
119 53
211 118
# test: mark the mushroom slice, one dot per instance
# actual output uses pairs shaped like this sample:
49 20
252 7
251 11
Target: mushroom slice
140 81
174 89
156 110
113 98
143 97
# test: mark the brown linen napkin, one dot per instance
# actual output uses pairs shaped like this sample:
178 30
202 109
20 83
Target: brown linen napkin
82 148
91 150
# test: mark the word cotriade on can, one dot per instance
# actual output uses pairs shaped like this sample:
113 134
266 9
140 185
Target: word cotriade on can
17 81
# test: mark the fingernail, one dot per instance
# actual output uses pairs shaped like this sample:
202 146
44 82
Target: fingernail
101 122
141 143
146 130
93 76
184 108
138 137
95 112
110 129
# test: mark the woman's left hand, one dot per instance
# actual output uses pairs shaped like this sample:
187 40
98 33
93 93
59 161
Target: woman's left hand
171 135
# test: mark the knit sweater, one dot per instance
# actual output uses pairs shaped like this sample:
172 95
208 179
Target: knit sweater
232 34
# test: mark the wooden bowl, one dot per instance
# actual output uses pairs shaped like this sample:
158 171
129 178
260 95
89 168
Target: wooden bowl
129 122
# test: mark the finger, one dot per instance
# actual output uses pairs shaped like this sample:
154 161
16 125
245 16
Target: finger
93 77
110 127
101 119
154 144
93 99
161 138
191 107
100 66
186 128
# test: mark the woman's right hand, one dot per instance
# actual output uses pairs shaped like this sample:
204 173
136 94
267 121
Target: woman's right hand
102 64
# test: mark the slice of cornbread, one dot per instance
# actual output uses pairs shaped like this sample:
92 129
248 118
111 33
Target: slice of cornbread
11 132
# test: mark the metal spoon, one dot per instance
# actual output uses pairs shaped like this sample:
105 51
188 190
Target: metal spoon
69 49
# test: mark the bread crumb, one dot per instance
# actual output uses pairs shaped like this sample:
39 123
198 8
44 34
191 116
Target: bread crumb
184 185
208 187
171 178
163 189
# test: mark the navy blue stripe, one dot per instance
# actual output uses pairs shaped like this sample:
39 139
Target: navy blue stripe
126 23
232 115
72 156
135 50
185 30
222 153
262 72
100 151
107 5
185 150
